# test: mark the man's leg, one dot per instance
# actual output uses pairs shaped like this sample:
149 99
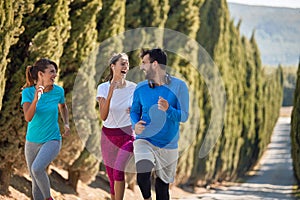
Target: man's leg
144 168
165 169
161 189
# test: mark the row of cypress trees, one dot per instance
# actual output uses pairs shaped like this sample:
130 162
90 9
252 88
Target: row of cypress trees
68 32
295 129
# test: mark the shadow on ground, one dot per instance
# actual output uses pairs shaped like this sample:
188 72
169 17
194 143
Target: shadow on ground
21 184
57 180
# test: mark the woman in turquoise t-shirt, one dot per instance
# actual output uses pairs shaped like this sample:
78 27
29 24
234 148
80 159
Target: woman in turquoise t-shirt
41 100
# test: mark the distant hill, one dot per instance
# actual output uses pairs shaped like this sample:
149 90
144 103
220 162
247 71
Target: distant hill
277 31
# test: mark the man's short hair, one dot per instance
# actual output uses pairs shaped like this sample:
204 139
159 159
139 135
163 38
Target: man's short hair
156 54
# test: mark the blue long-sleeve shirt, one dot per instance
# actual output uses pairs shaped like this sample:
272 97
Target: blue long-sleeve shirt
162 128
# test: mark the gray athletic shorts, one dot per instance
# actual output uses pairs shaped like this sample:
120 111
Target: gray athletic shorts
164 160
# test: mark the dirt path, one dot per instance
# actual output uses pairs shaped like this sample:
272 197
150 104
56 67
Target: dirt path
274 178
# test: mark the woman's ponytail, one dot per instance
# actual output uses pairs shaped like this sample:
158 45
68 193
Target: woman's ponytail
29 78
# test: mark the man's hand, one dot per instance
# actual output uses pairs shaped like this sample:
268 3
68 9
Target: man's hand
139 127
163 104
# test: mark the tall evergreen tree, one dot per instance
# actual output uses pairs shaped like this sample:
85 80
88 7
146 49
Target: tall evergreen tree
77 74
268 95
214 36
143 14
295 129
11 15
110 26
45 31
237 62
248 101
253 96
259 106
184 18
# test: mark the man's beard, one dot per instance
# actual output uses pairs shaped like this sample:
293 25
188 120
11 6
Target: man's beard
150 74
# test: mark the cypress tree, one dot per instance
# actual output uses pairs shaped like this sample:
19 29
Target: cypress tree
272 99
214 36
110 23
266 114
290 76
234 139
253 97
78 63
111 19
184 18
258 96
239 63
247 141
145 13
45 31
295 129
11 15
154 13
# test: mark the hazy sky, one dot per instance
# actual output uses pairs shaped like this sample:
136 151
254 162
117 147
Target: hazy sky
274 3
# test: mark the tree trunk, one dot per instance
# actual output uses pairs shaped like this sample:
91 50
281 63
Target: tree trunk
5 174
73 178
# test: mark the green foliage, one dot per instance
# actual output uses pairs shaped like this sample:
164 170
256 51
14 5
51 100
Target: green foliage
69 32
11 15
78 62
145 13
289 84
295 129
184 17
110 22
249 117
27 49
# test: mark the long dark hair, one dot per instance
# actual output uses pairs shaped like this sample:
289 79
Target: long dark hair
115 57
32 71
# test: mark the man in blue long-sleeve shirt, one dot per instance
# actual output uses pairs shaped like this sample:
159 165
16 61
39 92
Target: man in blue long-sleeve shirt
159 105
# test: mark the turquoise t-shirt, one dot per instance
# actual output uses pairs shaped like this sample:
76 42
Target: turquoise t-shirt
44 125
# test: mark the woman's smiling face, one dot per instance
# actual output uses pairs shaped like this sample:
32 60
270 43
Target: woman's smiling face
48 77
121 67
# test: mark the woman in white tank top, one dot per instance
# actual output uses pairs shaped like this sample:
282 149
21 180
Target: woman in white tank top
115 98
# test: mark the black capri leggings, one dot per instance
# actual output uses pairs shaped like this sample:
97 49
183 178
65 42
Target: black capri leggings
144 168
